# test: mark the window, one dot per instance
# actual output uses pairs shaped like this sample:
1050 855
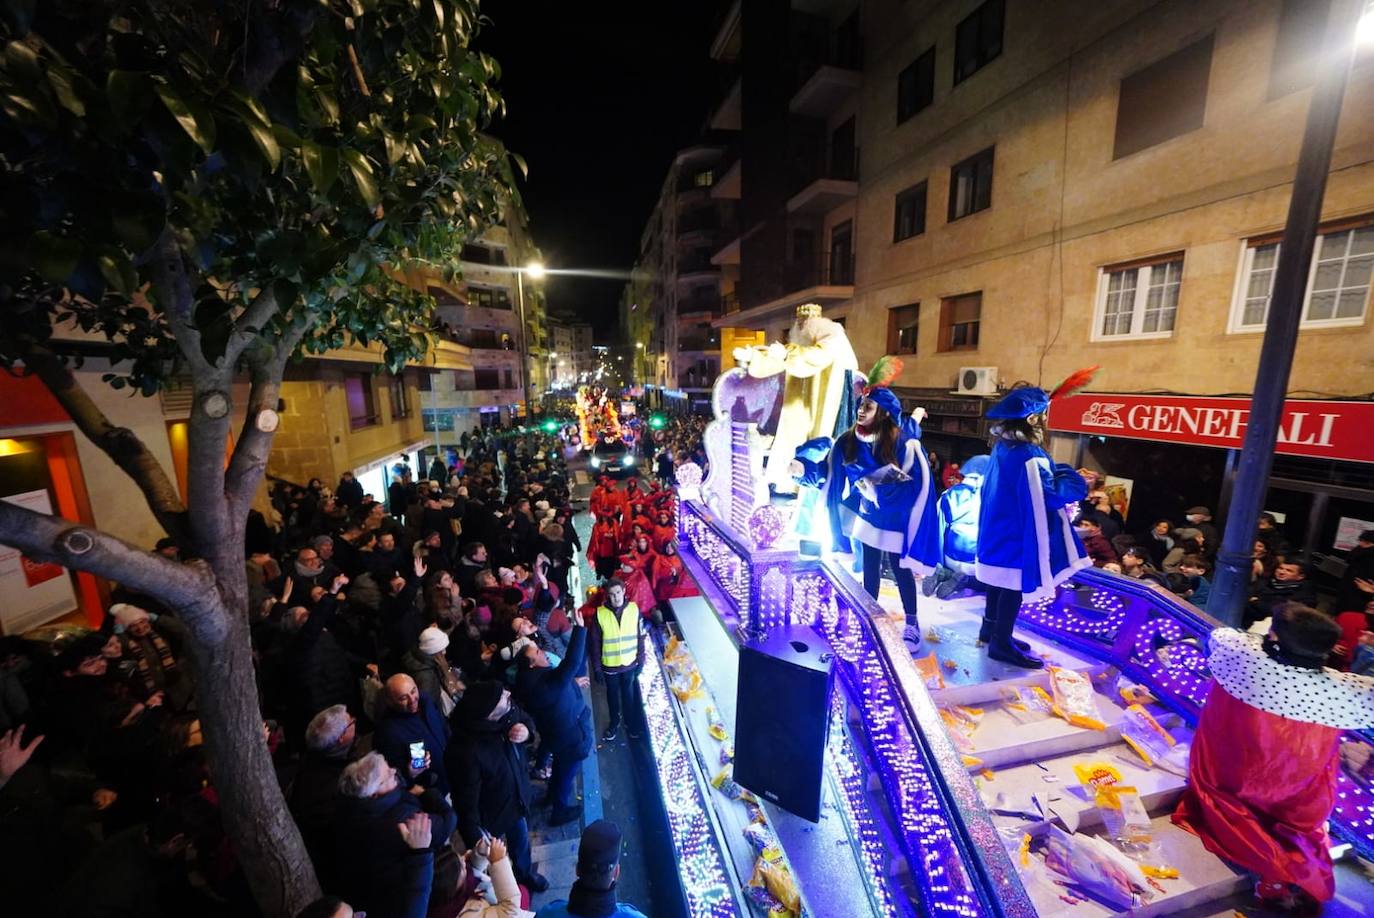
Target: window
916 85
704 179
978 39
1302 24
970 185
509 379
909 215
903 322
400 399
1164 100
1337 285
425 382
842 253
489 297
362 410
1138 299
959 317
486 379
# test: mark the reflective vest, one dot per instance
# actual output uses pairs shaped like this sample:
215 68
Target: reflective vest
619 637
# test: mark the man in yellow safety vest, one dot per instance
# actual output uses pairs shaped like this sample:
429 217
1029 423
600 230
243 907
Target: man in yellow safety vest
617 655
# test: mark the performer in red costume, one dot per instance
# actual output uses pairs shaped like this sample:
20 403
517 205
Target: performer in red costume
664 531
603 548
1263 767
637 588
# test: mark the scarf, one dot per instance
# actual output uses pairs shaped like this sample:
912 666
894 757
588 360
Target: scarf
166 663
591 903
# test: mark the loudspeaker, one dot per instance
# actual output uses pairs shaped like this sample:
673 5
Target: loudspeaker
782 718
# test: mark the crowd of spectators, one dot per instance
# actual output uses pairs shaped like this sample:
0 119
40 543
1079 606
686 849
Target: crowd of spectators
420 665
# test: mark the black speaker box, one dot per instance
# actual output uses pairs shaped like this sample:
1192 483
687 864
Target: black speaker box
782 718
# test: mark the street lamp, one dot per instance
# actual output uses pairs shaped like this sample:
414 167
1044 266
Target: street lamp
535 270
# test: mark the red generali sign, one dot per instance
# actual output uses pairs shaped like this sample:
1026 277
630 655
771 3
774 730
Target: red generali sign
1320 429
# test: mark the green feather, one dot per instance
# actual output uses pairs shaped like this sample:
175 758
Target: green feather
885 371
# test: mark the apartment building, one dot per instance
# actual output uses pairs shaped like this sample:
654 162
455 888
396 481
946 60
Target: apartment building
570 358
670 304
1047 186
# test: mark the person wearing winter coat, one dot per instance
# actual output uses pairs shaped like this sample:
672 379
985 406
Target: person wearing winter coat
319 670
489 774
387 839
1026 541
411 718
428 665
553 696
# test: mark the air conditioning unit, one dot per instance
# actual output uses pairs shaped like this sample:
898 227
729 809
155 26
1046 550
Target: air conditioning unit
977 381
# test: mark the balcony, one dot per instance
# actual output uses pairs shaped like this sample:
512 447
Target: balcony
727 116
728 254
729 186
729 303
829 185
697 345
778 289
827 87
701 220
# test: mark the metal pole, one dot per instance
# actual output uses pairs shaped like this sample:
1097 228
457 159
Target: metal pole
524 347
1231 589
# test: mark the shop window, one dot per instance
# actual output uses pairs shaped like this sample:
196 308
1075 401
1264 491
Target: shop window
1164 100
1138 299
909 213
1302 24
970 185
978 39
400 398
916 85
959 320
1337 284
903 323
362 407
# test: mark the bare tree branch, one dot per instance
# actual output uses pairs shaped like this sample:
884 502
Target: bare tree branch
50 538
121 444
249 326
177 301
266 366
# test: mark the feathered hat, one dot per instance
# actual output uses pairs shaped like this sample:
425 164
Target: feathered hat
1029 400
880 380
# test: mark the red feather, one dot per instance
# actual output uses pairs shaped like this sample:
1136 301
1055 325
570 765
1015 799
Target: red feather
1075 381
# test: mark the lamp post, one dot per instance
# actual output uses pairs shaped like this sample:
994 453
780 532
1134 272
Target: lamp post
1347 24
536 271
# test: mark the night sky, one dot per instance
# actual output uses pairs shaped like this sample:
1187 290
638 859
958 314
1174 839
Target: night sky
598 97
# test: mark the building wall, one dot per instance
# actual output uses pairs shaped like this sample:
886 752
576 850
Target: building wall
1062 207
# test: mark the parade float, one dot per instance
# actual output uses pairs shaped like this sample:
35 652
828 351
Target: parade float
950 784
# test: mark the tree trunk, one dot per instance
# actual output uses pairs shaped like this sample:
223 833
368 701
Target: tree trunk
266 841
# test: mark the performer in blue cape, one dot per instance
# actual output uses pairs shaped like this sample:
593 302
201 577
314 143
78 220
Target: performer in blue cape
876 485
1026 541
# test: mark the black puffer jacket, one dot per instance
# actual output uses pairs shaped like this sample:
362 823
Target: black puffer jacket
322 673
488 773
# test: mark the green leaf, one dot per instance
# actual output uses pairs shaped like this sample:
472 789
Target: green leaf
198 123
54 257
266 141
62 82
521 164
395 147
118 271
362 176
21 62
127 92
321 164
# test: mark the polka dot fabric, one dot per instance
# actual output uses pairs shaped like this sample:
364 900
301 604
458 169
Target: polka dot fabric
1325 696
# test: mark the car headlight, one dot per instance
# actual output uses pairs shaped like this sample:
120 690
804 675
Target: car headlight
629 460
596 463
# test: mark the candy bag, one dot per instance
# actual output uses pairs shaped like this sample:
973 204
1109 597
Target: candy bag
761 838
1027 703
727 753
929 669
714 725
724 781
1144 735
687 686
960 722
1093 775
773 873
1073 698
1124 816
1095 865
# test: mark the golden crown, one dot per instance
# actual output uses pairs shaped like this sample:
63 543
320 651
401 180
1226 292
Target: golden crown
809 311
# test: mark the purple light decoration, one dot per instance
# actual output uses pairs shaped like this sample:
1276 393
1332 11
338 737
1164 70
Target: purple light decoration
766 525
701 863
689 475
849 777
741 477
1354 810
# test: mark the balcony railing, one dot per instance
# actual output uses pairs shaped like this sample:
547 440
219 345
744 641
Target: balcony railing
704 220
788 277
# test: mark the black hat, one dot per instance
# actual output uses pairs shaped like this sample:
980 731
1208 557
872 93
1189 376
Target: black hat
599 850
481 699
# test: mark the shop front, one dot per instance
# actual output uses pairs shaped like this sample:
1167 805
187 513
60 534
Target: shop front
377 474
1166 453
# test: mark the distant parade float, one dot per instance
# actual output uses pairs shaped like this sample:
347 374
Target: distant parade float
596 415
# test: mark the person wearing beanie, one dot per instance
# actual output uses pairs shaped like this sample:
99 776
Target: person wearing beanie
1026 541
489 773
593 893
427 663
1267 752
1200 518
155 649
